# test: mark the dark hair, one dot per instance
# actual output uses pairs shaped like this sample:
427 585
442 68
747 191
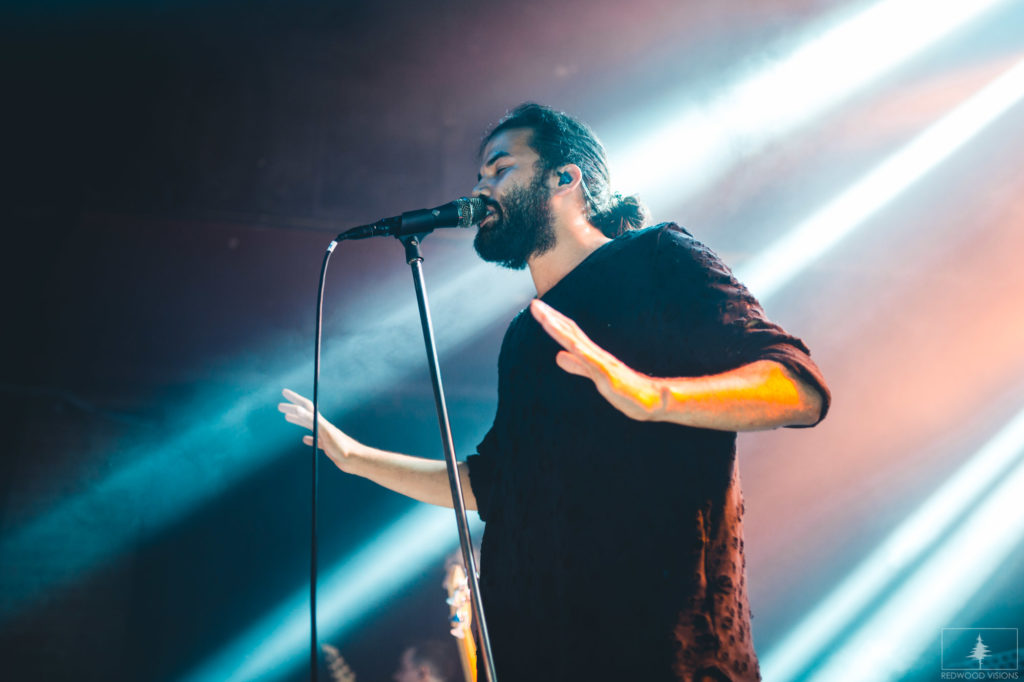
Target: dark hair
440 656
560 139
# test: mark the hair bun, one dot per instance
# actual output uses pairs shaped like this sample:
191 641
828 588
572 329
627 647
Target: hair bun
623 214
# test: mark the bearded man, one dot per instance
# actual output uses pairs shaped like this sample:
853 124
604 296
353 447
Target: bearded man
613 545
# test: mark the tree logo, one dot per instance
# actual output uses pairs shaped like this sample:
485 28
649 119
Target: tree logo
985 651
980 652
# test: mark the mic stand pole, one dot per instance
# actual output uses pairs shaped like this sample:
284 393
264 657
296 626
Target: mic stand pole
415 260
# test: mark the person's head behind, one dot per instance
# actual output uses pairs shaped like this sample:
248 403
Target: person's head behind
431 660
560 139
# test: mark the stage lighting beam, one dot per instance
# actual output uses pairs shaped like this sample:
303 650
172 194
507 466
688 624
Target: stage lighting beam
277 645
900 550
777 265
884 647
219 447
700 141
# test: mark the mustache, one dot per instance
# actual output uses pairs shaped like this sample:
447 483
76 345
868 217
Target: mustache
495 207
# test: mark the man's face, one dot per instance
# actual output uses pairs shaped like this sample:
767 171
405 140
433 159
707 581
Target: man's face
519 223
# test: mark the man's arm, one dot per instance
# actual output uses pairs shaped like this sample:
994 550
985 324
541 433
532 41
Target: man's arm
760 395
422 479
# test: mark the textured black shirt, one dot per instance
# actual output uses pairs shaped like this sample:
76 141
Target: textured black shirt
613 548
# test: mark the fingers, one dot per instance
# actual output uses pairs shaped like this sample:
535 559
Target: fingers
558 326
602 378
299 420
572 364
290 410
563 330
568 335
626 390
296 412
308 440
297 399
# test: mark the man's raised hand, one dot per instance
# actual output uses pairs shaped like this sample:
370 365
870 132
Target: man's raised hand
636 395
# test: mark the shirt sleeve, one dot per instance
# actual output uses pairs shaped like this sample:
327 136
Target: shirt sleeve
482 475
725 324
484 466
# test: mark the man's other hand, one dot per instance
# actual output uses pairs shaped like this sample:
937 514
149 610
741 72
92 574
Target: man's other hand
335 443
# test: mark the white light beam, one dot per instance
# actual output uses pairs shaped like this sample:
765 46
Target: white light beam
701 141
777 265
905 545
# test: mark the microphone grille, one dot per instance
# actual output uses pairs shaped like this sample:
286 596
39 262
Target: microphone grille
471 211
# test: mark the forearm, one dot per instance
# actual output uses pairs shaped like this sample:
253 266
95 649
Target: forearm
422 479
760 395
425 480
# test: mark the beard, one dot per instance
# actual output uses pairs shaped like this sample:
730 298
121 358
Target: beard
522 227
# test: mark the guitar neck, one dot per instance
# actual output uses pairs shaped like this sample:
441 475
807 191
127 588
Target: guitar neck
460 618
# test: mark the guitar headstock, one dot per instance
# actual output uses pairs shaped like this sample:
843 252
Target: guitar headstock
460 615
460 605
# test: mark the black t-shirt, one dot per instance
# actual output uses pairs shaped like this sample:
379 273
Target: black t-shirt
613 548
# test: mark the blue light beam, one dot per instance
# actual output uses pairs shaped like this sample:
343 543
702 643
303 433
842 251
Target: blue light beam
900 550
899 630
278 644
218 447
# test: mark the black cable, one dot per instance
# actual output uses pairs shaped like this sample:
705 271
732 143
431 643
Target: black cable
414 259
313 649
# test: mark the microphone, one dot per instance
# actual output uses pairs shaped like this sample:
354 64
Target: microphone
459 213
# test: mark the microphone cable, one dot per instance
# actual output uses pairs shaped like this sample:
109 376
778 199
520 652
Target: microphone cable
462 212
314 651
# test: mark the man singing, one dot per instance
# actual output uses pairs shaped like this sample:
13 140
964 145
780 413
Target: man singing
613 547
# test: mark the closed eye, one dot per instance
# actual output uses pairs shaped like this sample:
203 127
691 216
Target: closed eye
498 171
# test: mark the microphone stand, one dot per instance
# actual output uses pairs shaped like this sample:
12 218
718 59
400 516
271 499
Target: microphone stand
415 260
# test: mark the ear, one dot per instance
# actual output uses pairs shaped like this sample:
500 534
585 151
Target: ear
567 178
